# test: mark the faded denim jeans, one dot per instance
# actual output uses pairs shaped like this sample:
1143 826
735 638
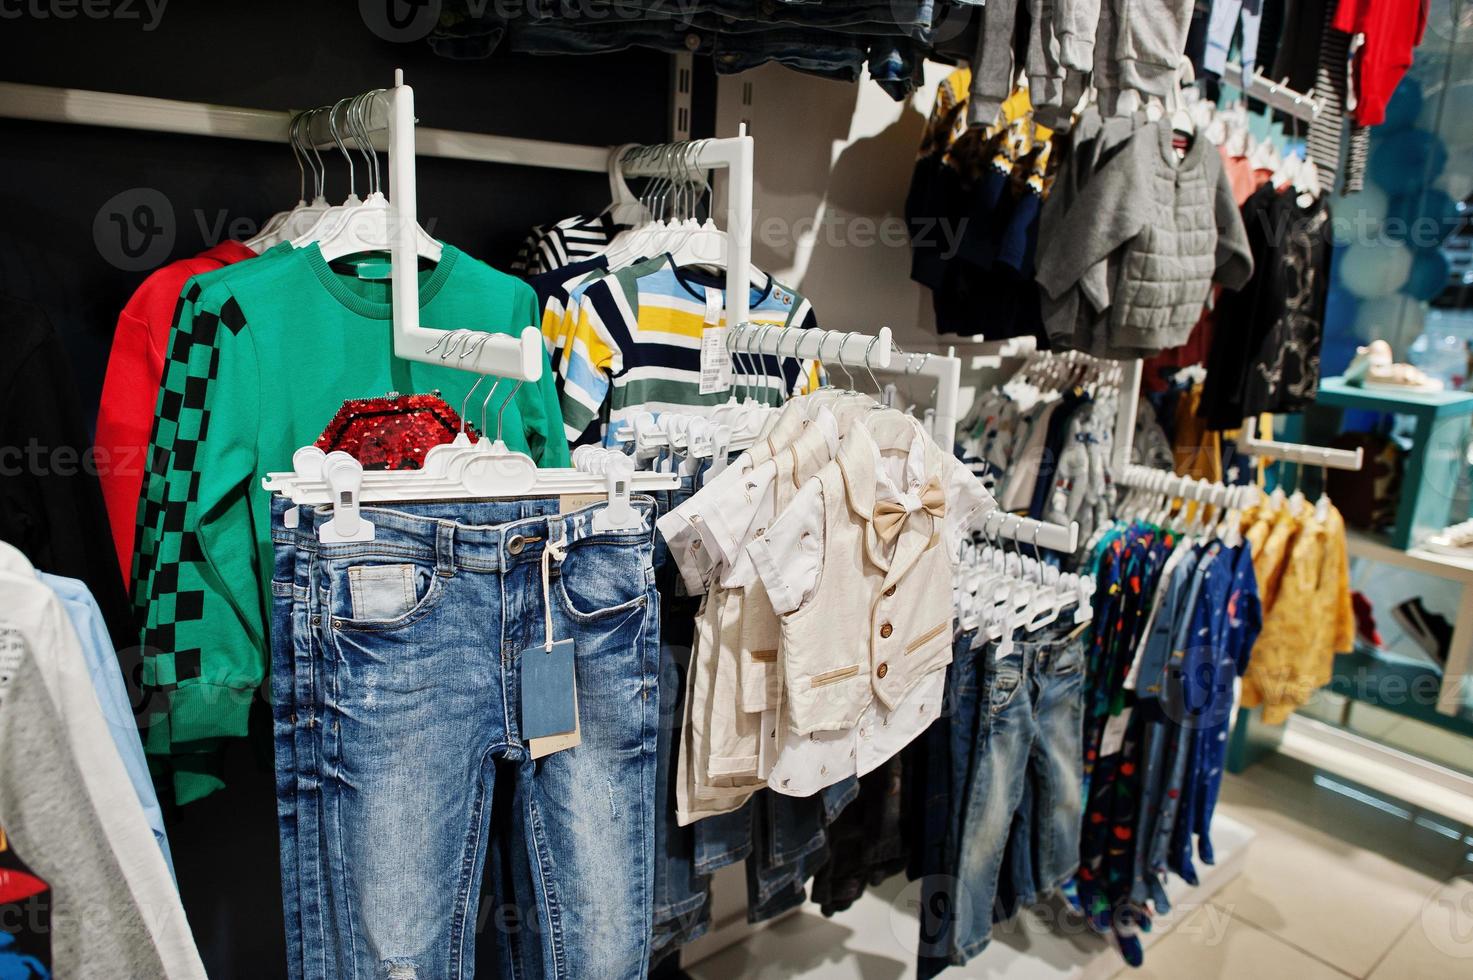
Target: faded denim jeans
1029 735
409 709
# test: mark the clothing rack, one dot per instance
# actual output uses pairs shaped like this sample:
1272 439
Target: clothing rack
946 371
853 350
1293 452
1277 95
1026 530
395 132
1185 487
874 352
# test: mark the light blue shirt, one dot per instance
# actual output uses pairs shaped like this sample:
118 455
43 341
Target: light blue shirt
112 696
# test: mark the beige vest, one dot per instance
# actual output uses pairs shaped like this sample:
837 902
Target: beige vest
761 679
880 617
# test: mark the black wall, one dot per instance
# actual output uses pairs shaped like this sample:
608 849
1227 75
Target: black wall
56 179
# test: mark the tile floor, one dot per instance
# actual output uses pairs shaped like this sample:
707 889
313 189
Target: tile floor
1337 883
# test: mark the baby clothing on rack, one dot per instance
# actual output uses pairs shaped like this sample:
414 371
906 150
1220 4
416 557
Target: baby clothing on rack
634 343
1176 230
1307 610
564 243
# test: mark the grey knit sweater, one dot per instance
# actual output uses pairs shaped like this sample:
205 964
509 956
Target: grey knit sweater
1165 228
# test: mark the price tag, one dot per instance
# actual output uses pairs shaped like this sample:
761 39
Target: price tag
548 703
715 358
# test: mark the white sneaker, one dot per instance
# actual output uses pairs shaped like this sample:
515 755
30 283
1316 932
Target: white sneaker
1454 540
1400 377
1375 354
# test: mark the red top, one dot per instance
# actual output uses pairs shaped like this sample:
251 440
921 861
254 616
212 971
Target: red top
1393 28
135 368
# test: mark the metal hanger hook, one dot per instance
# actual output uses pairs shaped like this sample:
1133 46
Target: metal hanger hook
868 370
332 127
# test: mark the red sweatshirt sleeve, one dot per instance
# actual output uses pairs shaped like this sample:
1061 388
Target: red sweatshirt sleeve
1393 29
124 418
135 367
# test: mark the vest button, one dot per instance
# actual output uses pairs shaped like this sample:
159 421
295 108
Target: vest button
882 670
885 632
890 591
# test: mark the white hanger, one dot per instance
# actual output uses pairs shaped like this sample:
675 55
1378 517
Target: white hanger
366 228
266 237
330 217
304 216
624 208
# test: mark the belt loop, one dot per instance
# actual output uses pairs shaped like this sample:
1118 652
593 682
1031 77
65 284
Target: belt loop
445 549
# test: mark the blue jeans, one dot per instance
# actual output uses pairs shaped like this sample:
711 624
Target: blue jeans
414 647
681 895
295 711
1030 733
948 748
284 554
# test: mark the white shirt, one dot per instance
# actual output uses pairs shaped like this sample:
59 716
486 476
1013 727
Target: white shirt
28 605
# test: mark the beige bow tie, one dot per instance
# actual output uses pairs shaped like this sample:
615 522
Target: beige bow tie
890 515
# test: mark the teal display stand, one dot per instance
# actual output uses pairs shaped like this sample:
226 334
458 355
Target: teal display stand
1435 463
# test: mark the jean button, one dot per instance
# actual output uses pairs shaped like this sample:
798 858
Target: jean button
515 544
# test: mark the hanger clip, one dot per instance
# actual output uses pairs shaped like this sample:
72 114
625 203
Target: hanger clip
618 514
344 475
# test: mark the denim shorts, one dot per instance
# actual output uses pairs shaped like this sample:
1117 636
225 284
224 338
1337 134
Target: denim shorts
404 723
1028 750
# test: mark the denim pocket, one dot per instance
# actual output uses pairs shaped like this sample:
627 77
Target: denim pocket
1004 687
381 595
594 579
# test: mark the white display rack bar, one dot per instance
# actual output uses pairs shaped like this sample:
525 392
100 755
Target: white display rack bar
1295 452
41 103
1278 95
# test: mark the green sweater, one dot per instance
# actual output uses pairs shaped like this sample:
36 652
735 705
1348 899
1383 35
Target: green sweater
260 360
